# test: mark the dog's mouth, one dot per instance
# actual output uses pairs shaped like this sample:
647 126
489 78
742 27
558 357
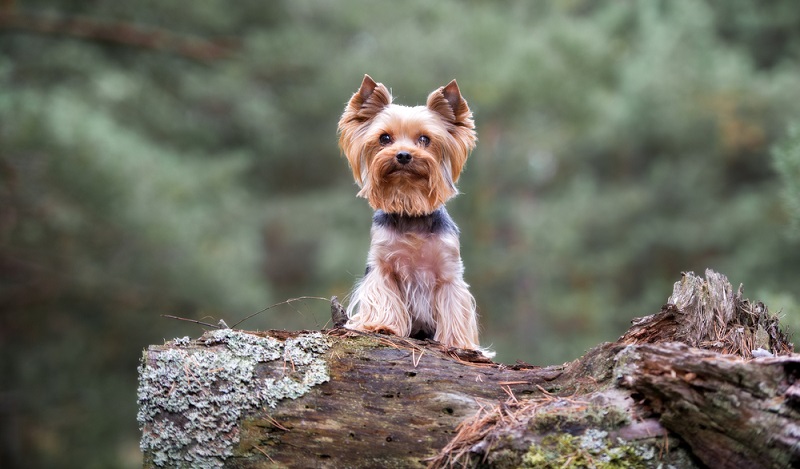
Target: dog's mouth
401 170
406 170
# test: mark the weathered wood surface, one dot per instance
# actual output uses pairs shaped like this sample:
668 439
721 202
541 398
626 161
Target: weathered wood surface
343 399
387 402
733 413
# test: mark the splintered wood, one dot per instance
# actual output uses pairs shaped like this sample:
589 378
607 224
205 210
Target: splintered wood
706 313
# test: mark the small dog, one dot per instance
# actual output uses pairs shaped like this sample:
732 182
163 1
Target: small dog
406 161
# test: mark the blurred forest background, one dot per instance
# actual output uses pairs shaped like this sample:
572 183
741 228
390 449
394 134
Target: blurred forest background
165 157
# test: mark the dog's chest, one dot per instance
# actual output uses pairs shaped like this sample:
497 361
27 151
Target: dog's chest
422 259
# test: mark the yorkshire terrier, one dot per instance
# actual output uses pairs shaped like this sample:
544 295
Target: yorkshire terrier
406 160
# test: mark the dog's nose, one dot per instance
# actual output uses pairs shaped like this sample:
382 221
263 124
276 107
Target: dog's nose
403 157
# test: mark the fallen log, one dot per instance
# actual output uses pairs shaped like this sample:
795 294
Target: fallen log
662 394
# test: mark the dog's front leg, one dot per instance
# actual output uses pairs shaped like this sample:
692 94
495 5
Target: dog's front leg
455 315
377 305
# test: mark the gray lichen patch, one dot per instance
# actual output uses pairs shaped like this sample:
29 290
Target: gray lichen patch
192 393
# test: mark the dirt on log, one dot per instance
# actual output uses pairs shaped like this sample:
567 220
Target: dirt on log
710 381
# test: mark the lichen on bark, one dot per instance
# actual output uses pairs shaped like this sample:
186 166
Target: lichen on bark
192 394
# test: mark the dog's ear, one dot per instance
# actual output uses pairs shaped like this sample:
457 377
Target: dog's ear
368 85
370 99
367 102
448 103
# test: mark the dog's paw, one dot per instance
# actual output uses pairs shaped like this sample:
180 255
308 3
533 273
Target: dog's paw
378 328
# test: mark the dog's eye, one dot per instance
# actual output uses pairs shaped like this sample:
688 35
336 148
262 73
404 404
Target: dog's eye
385 139
424 140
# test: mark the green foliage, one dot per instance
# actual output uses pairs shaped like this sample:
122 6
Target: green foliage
156 213
620 144
787 164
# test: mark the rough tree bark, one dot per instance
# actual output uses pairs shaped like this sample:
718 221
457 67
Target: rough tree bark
680 388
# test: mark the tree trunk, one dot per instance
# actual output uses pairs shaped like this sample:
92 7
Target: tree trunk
341 399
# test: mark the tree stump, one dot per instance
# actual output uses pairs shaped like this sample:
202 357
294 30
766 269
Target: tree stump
681 387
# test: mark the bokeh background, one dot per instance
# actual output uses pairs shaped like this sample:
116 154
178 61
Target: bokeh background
165 157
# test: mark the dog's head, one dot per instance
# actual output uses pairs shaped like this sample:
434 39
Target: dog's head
406 159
